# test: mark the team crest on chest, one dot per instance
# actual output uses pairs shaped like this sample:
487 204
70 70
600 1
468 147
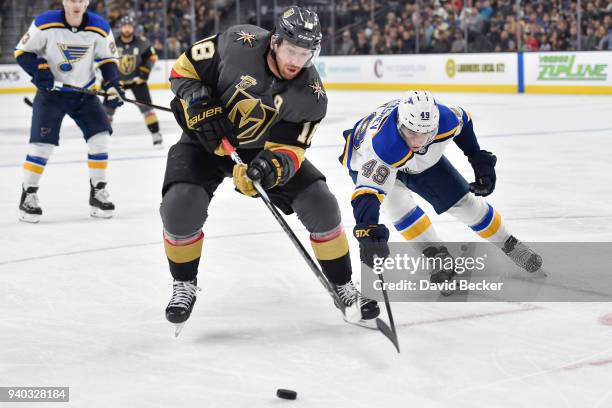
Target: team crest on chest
246 38
250 115
73 54
127 64
317 89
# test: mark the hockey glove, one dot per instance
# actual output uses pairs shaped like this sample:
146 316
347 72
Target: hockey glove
206 120
43 77
483 163
241 182
114 94
265 168
373 240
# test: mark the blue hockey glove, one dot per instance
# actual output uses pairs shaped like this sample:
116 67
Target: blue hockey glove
43 78
114 94
373 240
483 163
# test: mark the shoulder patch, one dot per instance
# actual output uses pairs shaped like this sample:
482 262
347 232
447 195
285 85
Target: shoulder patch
97 24
49 19
450 123
246 38
317 90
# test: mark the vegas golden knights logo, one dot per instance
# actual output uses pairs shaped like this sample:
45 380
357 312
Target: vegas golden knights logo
250 116
127 64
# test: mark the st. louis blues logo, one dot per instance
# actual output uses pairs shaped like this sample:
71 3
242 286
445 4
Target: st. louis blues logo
73 54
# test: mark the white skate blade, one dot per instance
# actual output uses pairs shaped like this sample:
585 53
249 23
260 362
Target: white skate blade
352 314
31 218
99 213
177 329
368 324
540 273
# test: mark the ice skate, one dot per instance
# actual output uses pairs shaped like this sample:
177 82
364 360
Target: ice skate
29 207
443 267
359 309
158 140
100 206
522 255
181 304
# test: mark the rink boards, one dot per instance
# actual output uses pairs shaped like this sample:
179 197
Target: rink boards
537 72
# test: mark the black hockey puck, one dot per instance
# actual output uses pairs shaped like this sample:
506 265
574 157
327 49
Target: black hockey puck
286 394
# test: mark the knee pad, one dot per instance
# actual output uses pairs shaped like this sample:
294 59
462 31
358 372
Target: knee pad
470 209
98 143
184 209
317 208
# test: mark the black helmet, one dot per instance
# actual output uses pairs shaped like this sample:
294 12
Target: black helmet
127 20
301 27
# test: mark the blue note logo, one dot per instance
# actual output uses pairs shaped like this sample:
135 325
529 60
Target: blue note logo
73 54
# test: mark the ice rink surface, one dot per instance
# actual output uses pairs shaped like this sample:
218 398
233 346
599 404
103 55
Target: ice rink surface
82 300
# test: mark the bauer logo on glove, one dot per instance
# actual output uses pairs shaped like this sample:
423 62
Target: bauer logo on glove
202 116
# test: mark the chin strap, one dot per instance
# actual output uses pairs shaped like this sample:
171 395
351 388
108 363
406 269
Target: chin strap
273 54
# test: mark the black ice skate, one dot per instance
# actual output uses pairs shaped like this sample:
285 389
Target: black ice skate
181 304
100 206
29 207
157 139
358 307
443 270
522 255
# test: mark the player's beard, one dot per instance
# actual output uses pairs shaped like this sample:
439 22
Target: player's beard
289 71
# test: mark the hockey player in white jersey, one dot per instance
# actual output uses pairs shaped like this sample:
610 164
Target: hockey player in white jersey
399 149
65 47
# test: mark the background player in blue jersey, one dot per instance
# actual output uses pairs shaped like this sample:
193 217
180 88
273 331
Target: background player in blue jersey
65 47
399 149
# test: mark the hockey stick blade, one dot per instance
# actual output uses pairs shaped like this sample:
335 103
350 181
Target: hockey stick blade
390 334
28 102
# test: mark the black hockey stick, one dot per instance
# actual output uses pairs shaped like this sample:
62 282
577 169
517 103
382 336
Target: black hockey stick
59 85
381 325
391 333
28 101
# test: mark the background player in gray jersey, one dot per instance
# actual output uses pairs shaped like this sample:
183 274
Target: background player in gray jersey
261 91
136 60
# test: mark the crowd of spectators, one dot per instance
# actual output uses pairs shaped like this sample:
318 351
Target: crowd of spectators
398 27
169 40
441 26
4 4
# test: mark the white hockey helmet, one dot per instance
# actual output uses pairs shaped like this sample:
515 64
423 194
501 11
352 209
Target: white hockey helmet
418 118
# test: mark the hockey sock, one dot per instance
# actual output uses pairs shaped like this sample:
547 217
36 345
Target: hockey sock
97 158
151 121
481 217
332 251
184 255
416 226
35 163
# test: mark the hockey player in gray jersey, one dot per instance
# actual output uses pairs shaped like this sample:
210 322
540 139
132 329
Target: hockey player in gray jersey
66 46
136 60
261 91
